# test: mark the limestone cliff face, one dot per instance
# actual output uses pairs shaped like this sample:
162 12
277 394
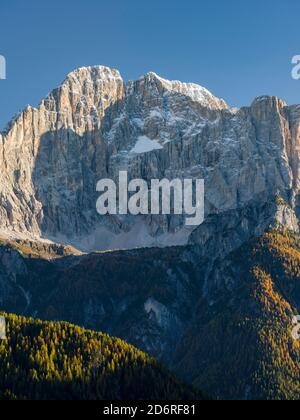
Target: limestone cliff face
52 156
95 125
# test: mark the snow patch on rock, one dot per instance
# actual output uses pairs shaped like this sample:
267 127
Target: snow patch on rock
146 145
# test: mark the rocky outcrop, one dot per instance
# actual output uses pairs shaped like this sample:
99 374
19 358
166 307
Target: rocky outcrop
12 265
223 233
95 125
285 217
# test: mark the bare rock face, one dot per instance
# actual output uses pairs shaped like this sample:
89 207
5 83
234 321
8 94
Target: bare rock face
95 125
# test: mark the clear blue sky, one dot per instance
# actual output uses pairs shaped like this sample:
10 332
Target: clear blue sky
236 48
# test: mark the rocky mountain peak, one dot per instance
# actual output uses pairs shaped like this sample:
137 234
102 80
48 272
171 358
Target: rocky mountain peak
94 125
94 73
193 91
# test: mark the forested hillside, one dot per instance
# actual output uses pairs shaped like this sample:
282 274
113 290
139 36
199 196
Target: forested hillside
54 360
241 343
226 330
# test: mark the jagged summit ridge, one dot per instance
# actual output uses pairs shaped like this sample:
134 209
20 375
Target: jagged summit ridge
94 72
94 125
83 81
196 92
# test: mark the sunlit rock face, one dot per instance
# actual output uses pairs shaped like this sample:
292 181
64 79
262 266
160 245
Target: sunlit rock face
95 125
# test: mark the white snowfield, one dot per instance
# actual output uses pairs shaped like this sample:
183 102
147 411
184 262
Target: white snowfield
146 145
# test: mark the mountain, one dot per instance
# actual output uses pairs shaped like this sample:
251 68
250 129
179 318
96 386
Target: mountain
95 125
59 361
216 303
